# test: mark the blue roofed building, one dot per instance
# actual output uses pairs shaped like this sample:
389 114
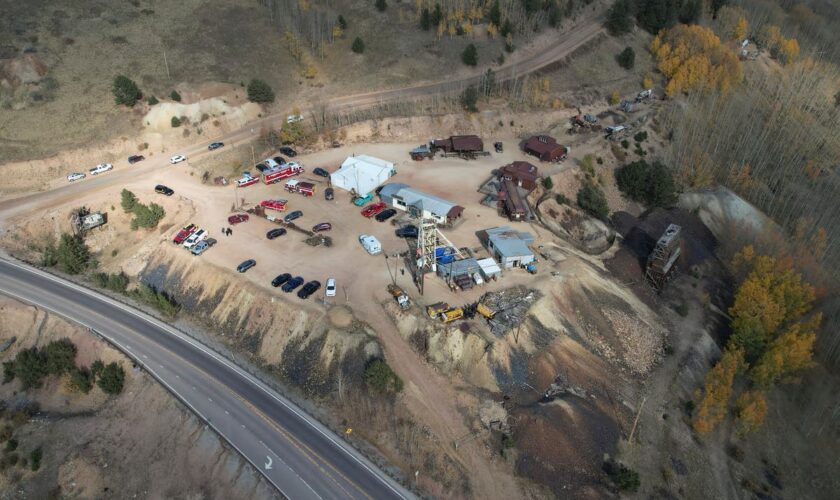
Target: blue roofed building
509 247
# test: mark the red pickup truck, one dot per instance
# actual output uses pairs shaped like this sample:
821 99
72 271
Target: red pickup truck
373 209
183 234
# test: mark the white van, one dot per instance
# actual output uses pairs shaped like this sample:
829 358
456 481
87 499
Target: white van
371 244
195 238
330 290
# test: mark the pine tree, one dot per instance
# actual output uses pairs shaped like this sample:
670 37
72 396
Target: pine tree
259 91
72 254
470 55
381 5
125 91
358 46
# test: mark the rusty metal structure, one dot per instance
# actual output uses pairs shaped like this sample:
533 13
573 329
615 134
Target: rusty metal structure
662 261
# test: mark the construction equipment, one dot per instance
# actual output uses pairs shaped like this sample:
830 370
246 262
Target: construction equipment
531 268
451 315
435 309
645 94
400 296
421 152
485 311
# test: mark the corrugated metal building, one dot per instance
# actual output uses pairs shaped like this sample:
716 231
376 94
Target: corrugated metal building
545 148
508 247
420 204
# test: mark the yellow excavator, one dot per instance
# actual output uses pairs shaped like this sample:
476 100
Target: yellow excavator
451 315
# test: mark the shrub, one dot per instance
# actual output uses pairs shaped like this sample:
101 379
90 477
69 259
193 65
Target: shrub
625 478
627 58
35 458
11 445
49 258
125 91
625 143
425 19
619 20
561 199
152 100
381 5
470 55
682 309
147 216
176 122
469 99
72 254
342 23
547 183
159 300
112 379
640 136
116 282
358 46
128 200
592 200
60 356
259 91
29 366
380 377
80 380
96 368
175 96
615 97
651 184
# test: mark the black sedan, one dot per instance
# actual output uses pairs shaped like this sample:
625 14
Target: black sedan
161 189
274 233
286 150
248 264
321 172
297 214
292 284
407 232
215 145
280 160
135 158
308 289
280 279
329 194
386 214
262 167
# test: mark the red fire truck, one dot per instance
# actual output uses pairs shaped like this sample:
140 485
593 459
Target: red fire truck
275 174
279 204
304 188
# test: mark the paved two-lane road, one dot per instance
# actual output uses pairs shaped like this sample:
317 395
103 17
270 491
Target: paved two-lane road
303 459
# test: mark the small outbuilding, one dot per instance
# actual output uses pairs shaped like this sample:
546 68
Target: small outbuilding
545 148
489 268
522 173
362 174
513 204
420 204
509 247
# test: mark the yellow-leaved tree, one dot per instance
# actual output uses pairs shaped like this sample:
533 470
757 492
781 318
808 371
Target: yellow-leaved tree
717 390
693 58
750 408
789 353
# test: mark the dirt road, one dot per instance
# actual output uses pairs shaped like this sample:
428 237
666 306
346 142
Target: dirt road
567 43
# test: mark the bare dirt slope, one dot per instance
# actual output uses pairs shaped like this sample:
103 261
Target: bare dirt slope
140 443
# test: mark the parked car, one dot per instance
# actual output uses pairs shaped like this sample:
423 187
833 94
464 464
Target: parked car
161 189
294 118
329 194
320 228
102 167
215 145
248 264
75 176
499 147
292 284
286 150
262 167
373 209
184 233
177 159
280 279
320 172
237 218
407 232
308 289
360 201
195 238
297 214
330 290
275 233
386 214
135 158
201 246
370 244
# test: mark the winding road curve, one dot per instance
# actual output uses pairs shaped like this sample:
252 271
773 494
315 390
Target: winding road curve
297 454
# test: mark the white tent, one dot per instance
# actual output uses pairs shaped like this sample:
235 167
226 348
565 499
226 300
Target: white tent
362 173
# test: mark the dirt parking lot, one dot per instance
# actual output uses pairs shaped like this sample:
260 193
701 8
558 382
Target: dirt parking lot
359 275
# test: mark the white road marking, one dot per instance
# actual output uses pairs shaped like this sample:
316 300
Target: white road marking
268 464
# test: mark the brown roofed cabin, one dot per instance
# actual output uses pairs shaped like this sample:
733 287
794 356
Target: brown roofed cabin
522 173
460 144
512 202
545 148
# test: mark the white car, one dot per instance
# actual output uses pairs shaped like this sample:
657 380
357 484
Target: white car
294 118
102 167
371 244
195 238
177 159
329 291
75 176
